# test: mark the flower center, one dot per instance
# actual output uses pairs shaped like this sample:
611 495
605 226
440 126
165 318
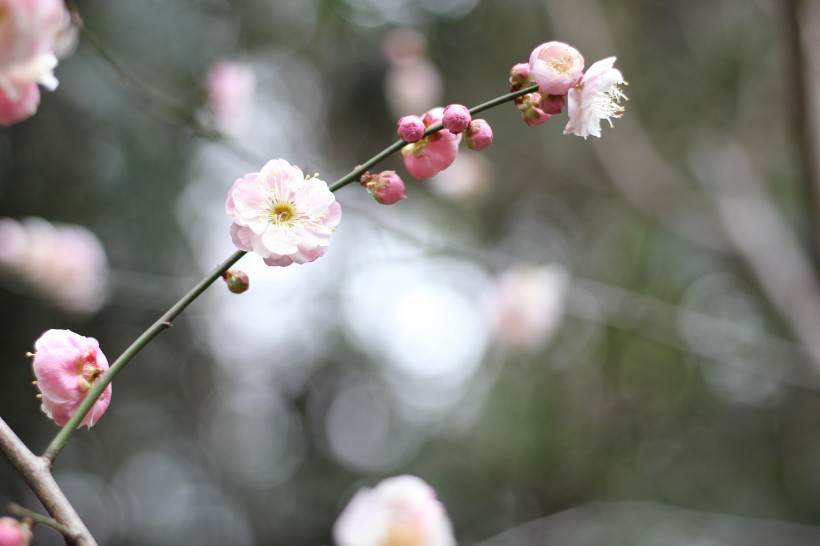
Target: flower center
403 534
282 212
607 103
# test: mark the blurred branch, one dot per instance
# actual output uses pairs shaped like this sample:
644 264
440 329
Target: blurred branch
755 229
802 48
608 523
35 472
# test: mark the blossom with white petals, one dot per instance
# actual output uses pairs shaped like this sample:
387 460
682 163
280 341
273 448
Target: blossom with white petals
282 215
400 511
597 97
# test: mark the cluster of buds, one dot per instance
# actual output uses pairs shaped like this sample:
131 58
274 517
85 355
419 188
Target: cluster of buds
558 69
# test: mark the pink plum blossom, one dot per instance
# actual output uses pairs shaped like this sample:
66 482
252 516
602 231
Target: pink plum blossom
28 33
556 67
478 135
411 128
230 93
456 118
63 263
400 511
66 365
433 153
597 97
387 187
282 215
527 305
14 533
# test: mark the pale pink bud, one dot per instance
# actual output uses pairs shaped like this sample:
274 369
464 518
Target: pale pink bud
552 104
519 76
23 106
66 366
456 118
14 533
387 187
398 511
479 135
531 111
433 153
556 67
237 281
411 128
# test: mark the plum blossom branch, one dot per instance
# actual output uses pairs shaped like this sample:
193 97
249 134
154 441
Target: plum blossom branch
356 173
36 517
164 322
35 471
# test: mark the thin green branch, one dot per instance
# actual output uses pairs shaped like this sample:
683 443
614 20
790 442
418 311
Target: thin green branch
399 144
40 519
164 322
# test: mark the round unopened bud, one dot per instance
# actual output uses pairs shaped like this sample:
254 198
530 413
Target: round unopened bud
479 135
387 187
14 533
519 76
237 280
456 118
411 129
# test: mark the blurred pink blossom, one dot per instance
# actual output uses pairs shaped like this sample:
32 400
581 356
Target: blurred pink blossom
527 306
412 82
597 97
28 33
556 67
14 533
467 178
400 511
433 153
281 215
230 93
65 264
66 365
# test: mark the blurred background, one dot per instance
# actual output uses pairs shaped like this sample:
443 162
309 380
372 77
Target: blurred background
575 342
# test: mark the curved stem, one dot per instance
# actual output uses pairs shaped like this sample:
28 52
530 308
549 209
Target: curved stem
164 321
161 324
399 144
39 519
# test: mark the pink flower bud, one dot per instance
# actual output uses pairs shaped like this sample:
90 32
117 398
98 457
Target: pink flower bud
456 118
556 67
14 533
66 365
387 187
433 153
479 134
237 281
552 104
411 128
531 111
519 76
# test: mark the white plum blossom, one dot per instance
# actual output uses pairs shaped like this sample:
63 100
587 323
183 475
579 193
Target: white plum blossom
598 96
282 215
66 264
527 305
400 511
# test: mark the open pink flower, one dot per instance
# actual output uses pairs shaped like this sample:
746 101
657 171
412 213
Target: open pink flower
597 97
66 365
556 67
14 533
398 511
433 153
281 215
28 33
